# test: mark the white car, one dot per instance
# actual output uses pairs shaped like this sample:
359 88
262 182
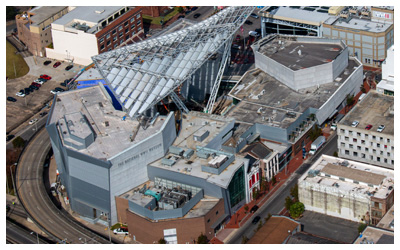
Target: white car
33 121
120 231
54 92
20 94
380 128
39 81
355 124
253 33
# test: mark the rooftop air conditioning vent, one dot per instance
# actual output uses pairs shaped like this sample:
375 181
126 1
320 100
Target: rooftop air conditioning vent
99 11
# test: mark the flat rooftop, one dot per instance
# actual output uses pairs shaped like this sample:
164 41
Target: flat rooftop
112 133
42 13
387 222
359 24
91 15
374 109
265 100
197 123
355 171
200 209
372 235
192 167
300 55
313 15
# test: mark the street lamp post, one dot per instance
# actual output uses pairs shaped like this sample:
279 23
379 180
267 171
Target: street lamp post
12 177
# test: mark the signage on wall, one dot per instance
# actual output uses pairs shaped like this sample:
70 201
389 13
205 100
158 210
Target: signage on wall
382 15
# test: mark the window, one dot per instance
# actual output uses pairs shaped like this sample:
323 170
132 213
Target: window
350 145
378 145
216 212
346 138
208 221
121 41
114 31
366 149
139 28
342 144
102 47
355 154
385 146
108 43
121 34
132 26
354 140
388 140
139 22
358 147
347 152
366 136
132 19
108 36
363 142
388 154
363 156
114 38
378 159
374 137
101 40
385 160
350 132
342 131
126 23
138 16
119 28
126 30
371 157
127 37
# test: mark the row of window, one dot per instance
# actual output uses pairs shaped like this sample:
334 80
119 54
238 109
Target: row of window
371 157
132 22
372 144
366 149
366 136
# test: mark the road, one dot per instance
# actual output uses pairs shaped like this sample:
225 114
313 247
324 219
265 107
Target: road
275 204
35 199
19 235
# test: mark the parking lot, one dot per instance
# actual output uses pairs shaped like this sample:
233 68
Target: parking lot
25 108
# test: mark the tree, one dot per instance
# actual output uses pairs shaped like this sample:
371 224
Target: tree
246 208
273 180
18 142
361 227
335 154
294 191
288 202
202 239
256 193
315 132
162 241
296 210
180 9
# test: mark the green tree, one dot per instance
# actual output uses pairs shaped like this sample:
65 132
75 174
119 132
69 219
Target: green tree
162 241
315 132
335 154
202 239
288 202
361 227
18 142
256 193
246 208
294 191
180 9
273 180
296 210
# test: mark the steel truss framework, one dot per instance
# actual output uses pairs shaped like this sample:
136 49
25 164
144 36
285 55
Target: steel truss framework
142 74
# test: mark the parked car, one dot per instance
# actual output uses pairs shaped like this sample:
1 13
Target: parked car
11 99
31 88
196 15
237 37
34 87
355 124
33 121
21 93
64 84
253 15
181 16
56 64
39 80
380 128
54 91
46 63
9 137
27 91
121 231
45 77
253 209
42 79
59 89
36 84
43 114
248 22
368 127
69 67
194 8
256 219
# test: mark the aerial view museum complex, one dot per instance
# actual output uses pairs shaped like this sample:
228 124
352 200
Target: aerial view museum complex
202 124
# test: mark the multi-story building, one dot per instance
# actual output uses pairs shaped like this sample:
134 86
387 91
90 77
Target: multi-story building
386 85
193 189
299 81
367 31
34 27
347 189
366 39
100 152
87 31
365 142
267 159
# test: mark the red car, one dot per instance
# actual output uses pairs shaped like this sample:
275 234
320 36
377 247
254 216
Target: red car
36 84
45 77
368 127
56 64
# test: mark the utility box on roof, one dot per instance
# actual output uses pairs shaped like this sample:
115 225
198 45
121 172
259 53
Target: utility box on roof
201 135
